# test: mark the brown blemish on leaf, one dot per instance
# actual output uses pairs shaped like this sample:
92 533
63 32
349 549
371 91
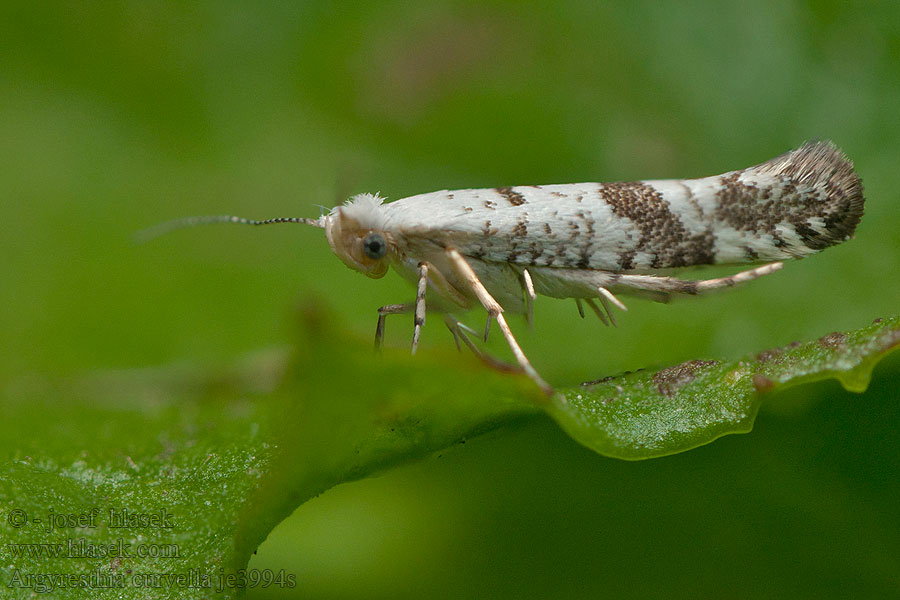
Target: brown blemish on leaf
596 381
609 378
833 340
762 383
767 355
669 381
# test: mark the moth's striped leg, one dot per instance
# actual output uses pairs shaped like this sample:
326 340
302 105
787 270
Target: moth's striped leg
461 332
420 304
443 287
496 311
383 312
670 285
712 284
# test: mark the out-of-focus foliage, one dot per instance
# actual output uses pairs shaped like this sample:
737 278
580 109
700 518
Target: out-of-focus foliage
218 459
138 478
117 115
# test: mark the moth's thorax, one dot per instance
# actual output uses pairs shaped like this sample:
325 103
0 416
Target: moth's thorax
347 228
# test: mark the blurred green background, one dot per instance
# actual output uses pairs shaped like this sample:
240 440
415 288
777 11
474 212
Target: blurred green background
118 115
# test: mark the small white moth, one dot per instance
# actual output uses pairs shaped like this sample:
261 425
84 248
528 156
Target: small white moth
500 247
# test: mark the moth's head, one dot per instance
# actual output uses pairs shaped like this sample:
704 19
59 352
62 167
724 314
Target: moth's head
356 235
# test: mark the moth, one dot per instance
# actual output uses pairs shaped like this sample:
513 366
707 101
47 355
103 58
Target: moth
499 248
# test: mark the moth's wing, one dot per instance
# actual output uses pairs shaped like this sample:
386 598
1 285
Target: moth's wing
551 225
788 207
791 206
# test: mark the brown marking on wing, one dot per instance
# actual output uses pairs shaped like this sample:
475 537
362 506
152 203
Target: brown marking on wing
815 181
521 228
663 235
512 196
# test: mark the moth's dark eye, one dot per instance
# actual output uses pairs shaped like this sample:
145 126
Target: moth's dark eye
374 246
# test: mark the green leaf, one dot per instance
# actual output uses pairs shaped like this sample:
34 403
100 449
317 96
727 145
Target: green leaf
209 463
655 413
98 471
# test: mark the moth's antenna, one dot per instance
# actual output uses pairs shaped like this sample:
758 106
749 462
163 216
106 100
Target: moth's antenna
150 233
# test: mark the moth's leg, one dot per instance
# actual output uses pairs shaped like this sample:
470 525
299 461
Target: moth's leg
383 312
530 294
457 328
607 298
597 311
443 287
670 285
461 332
426 274
420 304
454 331
749 275
495 311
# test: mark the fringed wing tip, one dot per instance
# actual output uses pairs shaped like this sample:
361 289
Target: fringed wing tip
821 164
